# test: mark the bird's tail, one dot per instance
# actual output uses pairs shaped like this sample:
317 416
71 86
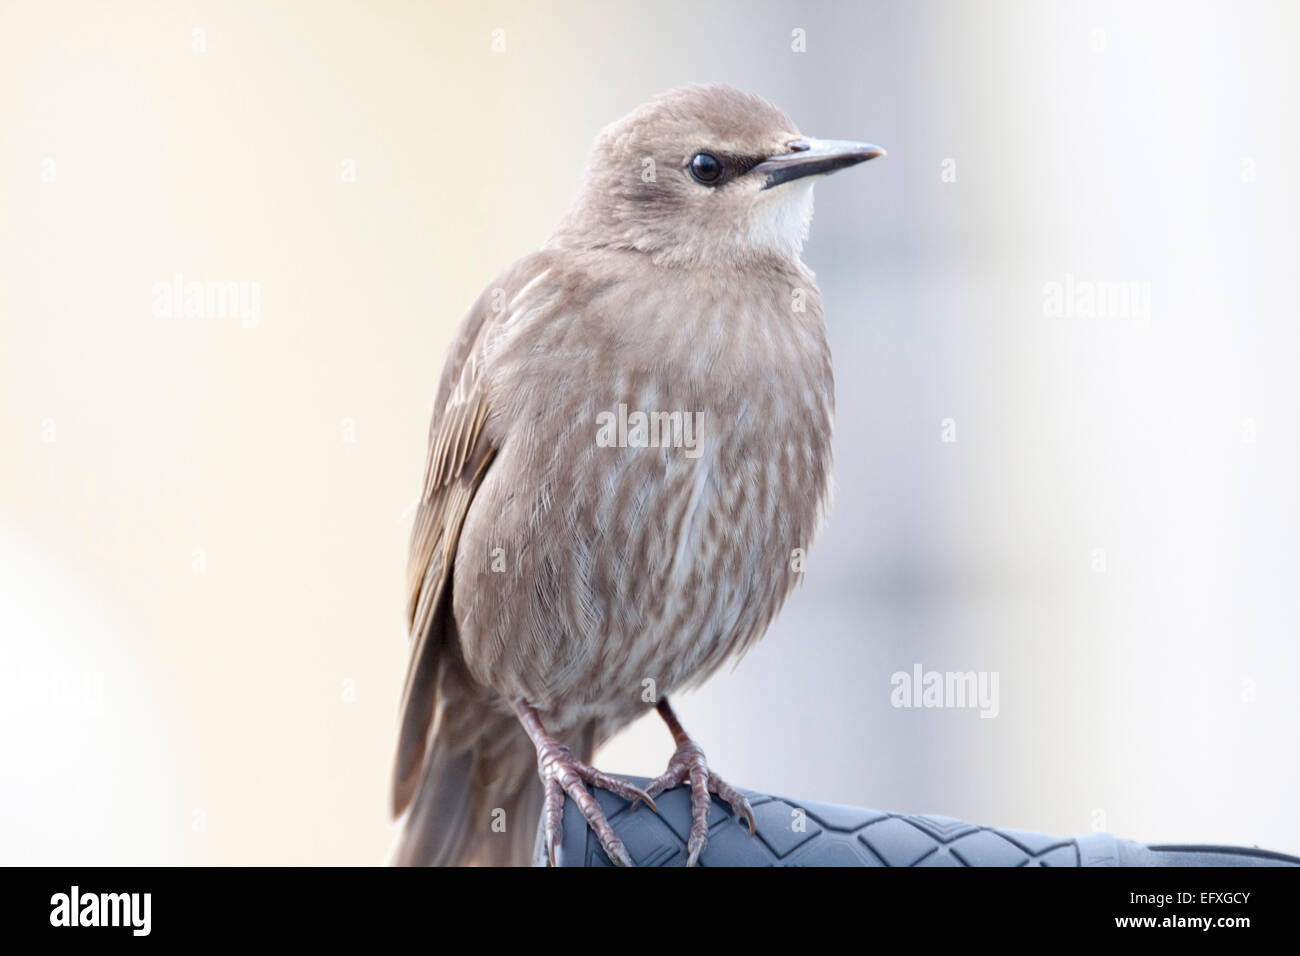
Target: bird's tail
479 799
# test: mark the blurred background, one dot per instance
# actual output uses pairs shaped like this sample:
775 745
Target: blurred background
1063 313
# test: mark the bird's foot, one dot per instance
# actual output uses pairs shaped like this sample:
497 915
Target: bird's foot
688 766
563 773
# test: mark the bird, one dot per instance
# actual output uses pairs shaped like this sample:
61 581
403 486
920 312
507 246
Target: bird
629 456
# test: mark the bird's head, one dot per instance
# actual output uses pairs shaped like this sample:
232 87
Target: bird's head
704 175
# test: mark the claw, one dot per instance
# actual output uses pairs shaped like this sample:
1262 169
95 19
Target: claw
620 856
688 766
633 794
694 847
564 774
739 804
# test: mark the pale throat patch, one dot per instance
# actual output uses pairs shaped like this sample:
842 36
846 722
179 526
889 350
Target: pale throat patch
782 216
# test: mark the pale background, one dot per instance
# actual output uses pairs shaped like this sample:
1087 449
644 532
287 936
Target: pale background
201 576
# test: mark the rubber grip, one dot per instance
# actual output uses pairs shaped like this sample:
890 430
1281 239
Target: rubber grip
803 833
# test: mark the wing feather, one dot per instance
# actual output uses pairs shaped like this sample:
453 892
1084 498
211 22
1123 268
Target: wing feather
460 454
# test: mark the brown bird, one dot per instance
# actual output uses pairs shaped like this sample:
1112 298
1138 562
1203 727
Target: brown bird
629 455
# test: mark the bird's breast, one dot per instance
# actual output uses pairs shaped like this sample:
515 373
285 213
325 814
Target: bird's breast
650 503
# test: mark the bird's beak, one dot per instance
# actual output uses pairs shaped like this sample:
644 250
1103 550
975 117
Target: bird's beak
813 157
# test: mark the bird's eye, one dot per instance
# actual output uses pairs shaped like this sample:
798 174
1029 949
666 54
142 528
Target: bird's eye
706 168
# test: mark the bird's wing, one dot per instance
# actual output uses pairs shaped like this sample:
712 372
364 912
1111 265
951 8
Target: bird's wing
459 456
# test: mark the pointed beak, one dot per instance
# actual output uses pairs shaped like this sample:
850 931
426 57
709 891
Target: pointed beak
814 157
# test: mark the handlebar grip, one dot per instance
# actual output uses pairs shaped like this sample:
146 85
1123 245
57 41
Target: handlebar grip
804 833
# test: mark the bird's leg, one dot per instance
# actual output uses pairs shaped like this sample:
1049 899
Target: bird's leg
562 773
688 766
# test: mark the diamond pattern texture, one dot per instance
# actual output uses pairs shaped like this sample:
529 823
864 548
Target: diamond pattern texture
805 834
792 833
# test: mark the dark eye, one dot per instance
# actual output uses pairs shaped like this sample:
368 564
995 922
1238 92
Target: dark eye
706 168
